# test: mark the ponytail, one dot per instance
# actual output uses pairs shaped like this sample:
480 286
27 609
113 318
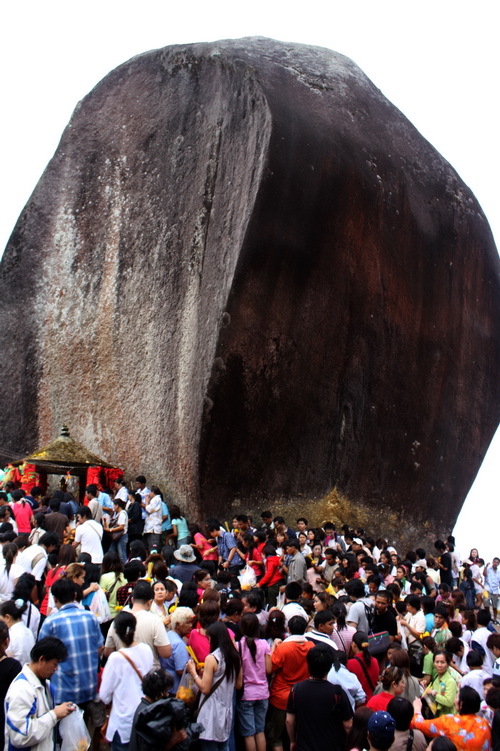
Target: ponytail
125 624
9 551
250 629
360 639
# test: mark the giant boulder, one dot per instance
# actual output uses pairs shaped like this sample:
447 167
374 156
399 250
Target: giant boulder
246 275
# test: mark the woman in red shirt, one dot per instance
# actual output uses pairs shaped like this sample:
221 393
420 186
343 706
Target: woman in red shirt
363 665
273 576
253 556
393 684
206 547
208 613
23 513
67 555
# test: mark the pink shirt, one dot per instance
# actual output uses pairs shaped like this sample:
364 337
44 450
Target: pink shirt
200 540
199 644
254 673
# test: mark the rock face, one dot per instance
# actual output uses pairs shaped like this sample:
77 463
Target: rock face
246 275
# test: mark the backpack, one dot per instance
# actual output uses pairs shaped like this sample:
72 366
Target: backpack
370 615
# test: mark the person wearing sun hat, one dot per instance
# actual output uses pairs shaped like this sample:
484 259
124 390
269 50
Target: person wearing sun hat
187 565
381 730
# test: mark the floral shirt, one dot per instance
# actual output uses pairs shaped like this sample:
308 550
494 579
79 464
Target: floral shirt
467 731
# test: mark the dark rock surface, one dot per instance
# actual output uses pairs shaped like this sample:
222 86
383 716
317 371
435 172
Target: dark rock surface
246 274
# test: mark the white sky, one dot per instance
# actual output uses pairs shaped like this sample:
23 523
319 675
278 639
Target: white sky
438 61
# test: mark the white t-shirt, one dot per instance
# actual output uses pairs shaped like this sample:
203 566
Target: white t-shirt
149 630
293 608
7 581
480 636
122 494
417 622
21 642
123 520
26 557
121 686
89 535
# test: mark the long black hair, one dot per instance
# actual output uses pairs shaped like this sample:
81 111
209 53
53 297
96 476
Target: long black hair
125 624
250 628
9 552
219 639
360 639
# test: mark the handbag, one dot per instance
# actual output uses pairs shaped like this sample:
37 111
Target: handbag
379 643
429 704
115 536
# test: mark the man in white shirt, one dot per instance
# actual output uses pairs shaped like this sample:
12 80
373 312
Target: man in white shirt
476 675
141 487
293 591
143 490
492 584
92 502
154 518
88 534
149 630
479 639
33 559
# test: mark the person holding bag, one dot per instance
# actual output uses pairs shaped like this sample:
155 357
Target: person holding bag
118 526
221 675
111 580
121 681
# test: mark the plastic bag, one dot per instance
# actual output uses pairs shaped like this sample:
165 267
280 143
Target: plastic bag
187 690
99 607
74 733
247 578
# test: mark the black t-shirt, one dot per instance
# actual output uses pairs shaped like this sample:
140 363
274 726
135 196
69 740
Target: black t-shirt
320 708
446 576
385 622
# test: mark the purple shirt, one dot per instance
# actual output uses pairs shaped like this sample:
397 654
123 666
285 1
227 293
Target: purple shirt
254 673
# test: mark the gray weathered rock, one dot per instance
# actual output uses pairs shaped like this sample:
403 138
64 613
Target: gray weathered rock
245 274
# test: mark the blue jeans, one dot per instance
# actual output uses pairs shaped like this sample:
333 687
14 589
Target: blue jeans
117 744
252 716
120 547
214 745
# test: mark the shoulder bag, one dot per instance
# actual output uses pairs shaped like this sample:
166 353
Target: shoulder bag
365 671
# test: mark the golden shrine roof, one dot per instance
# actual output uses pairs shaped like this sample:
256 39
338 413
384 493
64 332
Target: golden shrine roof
64 450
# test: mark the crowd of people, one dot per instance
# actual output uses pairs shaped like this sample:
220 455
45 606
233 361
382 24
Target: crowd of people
247 635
